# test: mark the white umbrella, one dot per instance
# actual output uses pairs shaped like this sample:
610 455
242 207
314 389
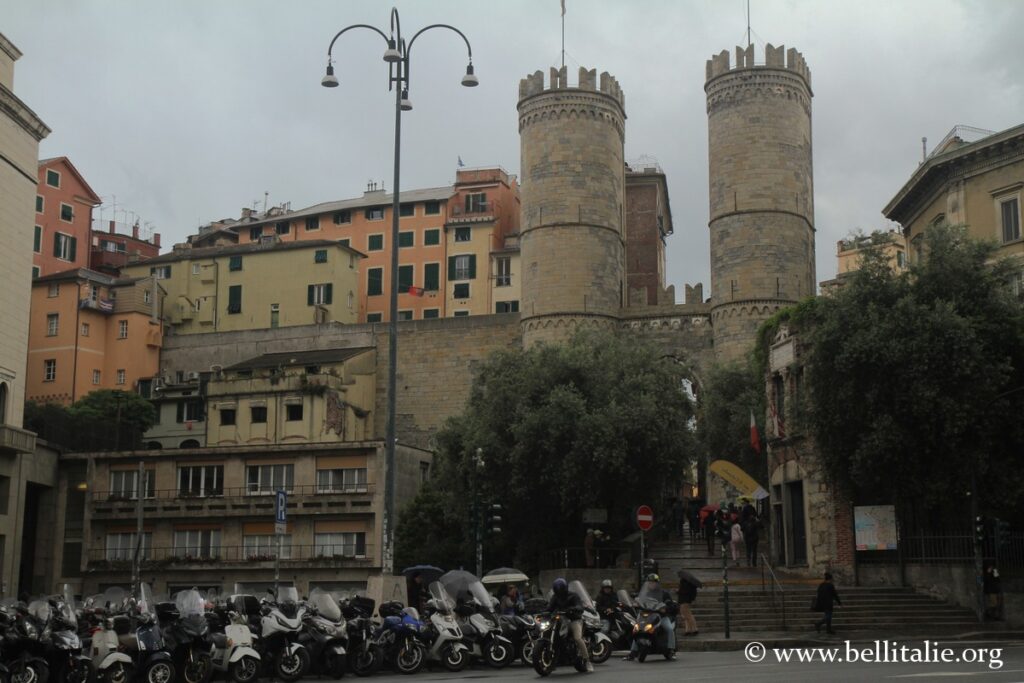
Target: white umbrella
504 575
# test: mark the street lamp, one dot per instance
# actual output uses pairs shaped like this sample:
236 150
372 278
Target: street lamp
397 55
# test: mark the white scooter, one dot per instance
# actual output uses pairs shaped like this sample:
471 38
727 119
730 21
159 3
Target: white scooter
447 646
112 665
233 651
280 626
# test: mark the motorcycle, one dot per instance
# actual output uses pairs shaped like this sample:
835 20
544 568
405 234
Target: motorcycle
599 643
398 637
619 622
232 650
188 636
555 645
278 632
324 635
146 646
480 629
23 647
364 655
648 632
65 652
111 665
442 633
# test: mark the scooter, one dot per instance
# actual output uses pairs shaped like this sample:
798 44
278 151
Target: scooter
442 634
146 646
233 651
188 635
22 644
67 661
278 635
648 632
112 665
619 622
480 628
324 635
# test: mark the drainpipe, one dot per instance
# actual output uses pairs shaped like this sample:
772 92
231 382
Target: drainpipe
74 346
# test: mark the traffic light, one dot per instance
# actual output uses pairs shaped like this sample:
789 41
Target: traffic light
494 518
1002 529
979 530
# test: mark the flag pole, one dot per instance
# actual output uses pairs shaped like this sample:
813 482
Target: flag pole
563 33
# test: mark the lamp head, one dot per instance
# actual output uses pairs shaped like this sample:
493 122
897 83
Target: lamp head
329 80
406 103
392 54
470 80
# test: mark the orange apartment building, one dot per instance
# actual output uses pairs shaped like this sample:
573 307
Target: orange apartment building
112 250
448 236
90 331
64 204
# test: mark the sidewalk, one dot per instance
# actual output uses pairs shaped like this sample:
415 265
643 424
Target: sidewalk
717 642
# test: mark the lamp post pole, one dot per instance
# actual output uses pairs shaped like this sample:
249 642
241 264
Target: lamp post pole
397 57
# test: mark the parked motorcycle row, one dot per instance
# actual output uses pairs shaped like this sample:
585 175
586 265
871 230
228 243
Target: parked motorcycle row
121 638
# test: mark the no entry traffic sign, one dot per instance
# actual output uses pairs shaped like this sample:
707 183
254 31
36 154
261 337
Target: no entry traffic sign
644 518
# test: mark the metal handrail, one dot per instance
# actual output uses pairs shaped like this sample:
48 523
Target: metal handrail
169 555
775 584
247 492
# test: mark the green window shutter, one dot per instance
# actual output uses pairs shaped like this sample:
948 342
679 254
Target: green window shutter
56 244
309 295
431 277
431 237
405 239
37 240
328 294
181 412
235 299
74 245
451 267
405 274
472 266
374 281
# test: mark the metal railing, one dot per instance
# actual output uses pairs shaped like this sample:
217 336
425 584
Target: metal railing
604 557
155 558
778 596
246 492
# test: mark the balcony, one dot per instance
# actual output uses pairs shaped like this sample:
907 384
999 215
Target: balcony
292 557
14 440
101 305
102 258
480 211
239 501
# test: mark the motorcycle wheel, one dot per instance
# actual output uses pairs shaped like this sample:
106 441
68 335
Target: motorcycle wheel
580 664
160 671
198 670
409 658
543 658
641 654
365 662
85 672
498 654
600 651
36 672
526 651
454 659
245 670
291 667
335 666
119 673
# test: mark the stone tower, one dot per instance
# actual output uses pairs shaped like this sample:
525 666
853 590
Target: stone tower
572 242
762 191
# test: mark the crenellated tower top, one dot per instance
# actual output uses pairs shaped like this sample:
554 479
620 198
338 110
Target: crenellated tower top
774 58
559 80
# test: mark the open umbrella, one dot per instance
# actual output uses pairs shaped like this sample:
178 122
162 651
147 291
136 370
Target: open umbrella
707 510
429 572
458 583
504 575
689 578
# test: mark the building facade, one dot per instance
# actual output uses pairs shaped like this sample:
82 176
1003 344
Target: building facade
850 252
64 204
648 224
112 250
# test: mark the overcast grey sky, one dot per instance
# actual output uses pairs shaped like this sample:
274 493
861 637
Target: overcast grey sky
188 110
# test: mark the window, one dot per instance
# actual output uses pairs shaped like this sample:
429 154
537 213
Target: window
67 213
52 324
405 315
901 260
195 269
200 481
312 223
95 376
429 313
293 412
54 290
462 267
340 544
461 290
227 417
255 233
431 237
64 246
121 546
342 217
197 543
345 242
405 278
282 227
463 234
85 329
476 202
506 307
122 329
374 281
406 239
319 295
461 314
49 370
375 213
374 317
431 277
265 546
1009 213
189 410
35 271
94 292
52 178
431 208
39 204
341 480
266 479
258 414
164 272
235 299
779 397
424 471
320 256
120 376
275 315
374 242
235 263
503 269
124 484
37 239
406 210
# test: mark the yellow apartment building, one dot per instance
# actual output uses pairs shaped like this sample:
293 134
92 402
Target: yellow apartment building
264 284
850 254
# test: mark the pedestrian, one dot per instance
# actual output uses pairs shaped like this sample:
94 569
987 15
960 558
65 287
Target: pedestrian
736 541
588 548
511 603
723 528
416 596
709 532
825 601
677 516
693 515
687 594
751 527
992 587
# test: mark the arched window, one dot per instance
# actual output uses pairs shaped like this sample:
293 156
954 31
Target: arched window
3 403
189 443
154 445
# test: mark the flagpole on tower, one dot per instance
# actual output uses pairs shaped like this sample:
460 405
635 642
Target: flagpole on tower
563 32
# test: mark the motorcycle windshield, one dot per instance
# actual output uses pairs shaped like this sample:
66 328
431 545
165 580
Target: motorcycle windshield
576 588
325 604
442 600
481 597
113 598
40 610
67 607
288 595
147 602
623 596
650 596
189 603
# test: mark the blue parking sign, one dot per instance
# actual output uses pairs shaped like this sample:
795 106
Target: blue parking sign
281 513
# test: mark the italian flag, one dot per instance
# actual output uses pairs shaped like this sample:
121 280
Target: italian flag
755 440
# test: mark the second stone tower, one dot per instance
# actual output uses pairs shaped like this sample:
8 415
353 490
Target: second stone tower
573 178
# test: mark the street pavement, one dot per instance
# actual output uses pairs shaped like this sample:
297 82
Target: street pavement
734 666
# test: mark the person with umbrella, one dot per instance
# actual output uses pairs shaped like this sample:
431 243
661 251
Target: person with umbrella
688 585
511 603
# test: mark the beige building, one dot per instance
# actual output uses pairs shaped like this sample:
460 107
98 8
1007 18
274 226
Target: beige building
266 284
850 254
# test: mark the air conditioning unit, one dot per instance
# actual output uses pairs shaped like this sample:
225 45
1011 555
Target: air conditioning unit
193 377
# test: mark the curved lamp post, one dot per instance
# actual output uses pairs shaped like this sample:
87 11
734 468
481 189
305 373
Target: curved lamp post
396 55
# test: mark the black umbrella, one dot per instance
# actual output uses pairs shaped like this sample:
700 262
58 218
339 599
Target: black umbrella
690 578
428 572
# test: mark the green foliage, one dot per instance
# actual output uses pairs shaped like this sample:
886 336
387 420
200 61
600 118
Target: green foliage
109 405
729 394
907 374
101 420
599 422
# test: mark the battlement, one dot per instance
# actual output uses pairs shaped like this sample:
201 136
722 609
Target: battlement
559 80
774 58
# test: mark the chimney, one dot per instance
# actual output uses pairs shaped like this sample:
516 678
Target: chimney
156 240
246 213
113 227
135 231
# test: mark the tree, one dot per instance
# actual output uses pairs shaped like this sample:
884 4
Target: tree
911 377
599 422
104 419
730 393
113 406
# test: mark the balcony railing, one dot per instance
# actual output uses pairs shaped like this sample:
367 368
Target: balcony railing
157 558
14 440
474 211
244 492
